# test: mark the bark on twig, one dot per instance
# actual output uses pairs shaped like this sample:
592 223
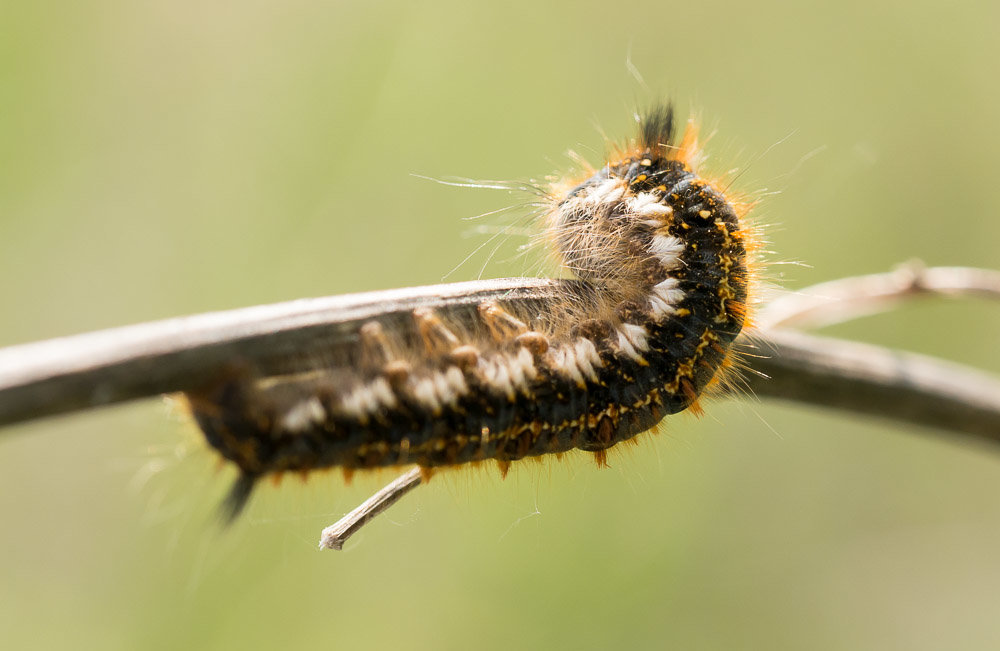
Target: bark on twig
894 385
110 366
848 298
82 371
334 536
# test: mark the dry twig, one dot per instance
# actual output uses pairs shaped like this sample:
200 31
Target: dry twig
848 298
83 371
334 536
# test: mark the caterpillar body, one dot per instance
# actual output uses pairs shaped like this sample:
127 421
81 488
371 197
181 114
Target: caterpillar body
661 261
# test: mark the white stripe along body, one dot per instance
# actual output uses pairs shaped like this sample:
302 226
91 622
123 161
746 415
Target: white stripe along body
662 264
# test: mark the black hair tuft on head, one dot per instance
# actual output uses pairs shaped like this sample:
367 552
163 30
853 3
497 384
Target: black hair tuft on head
657 127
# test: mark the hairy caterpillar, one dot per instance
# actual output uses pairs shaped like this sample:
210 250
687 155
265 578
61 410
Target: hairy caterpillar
661 258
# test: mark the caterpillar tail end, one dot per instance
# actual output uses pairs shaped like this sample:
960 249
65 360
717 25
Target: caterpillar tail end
237 499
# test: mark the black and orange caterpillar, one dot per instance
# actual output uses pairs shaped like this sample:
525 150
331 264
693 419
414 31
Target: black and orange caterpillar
661 258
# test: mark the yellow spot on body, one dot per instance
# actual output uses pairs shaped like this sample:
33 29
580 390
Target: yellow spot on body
705 214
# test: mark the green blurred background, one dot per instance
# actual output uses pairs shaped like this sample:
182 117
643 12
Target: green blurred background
167 158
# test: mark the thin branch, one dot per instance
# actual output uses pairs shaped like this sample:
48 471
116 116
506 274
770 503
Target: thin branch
334 536
82 371
890 384
848 298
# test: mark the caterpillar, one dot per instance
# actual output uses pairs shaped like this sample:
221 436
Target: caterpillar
662 261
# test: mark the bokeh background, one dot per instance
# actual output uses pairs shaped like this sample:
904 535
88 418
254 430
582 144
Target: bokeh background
168 158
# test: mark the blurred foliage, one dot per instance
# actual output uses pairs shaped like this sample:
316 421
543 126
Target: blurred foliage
165 158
